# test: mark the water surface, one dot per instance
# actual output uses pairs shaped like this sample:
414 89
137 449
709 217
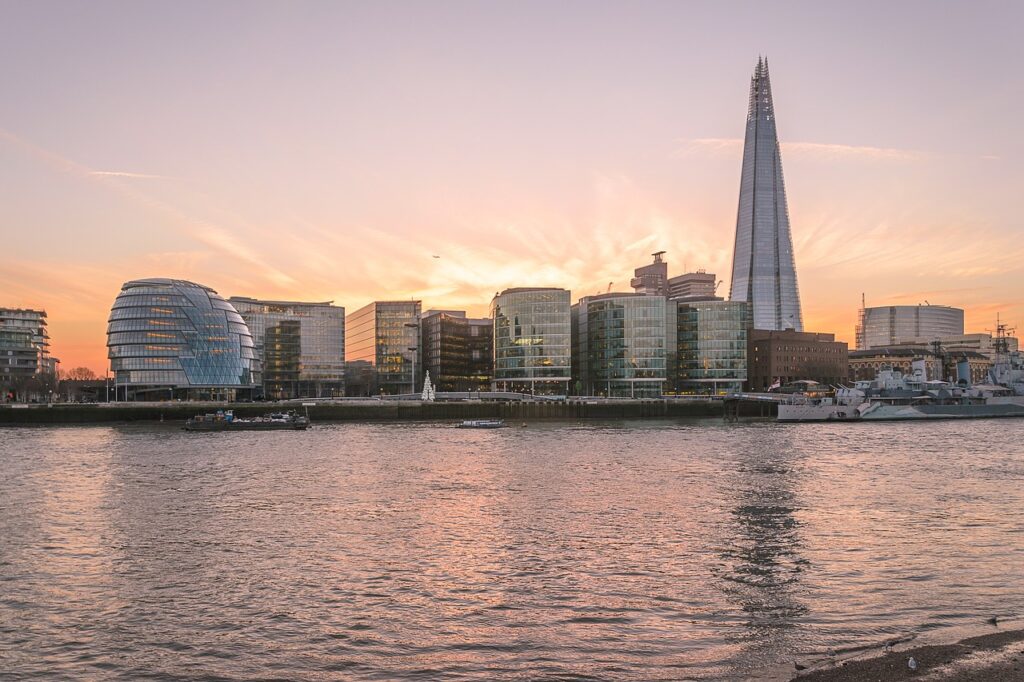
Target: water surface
628 550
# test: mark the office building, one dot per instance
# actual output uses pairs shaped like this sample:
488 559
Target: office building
457 350
651 279
169 338
693 286
382 339
710 346
532 341
301 346
764 270
620 345
894 324
782 357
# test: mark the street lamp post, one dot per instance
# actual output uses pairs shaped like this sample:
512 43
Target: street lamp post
413 350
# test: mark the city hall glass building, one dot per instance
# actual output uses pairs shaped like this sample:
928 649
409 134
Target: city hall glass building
169 338
763 268
532 341
301 346
620 347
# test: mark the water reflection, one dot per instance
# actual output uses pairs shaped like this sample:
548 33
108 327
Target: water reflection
762 562
622 551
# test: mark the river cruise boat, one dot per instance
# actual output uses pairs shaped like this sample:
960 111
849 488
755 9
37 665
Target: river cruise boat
482 424
225 420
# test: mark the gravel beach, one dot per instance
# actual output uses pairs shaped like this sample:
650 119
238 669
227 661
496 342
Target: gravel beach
992 657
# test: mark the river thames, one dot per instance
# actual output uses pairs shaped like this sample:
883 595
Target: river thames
625 550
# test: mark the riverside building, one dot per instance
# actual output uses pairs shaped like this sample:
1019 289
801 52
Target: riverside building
301 346
382 345
532 341
894 324
620 345
764 270
710 346
782 357
169 338
457 350
27 370
864 365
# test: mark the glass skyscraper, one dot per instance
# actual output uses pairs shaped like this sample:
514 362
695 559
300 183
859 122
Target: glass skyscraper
172 338
763 269
532 341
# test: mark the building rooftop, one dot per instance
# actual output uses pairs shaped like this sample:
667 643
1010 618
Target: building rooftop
521 290
261 301
163 282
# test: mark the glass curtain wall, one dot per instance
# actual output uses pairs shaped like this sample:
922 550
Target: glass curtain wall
620 346
176 339
532 341
711 347
385 335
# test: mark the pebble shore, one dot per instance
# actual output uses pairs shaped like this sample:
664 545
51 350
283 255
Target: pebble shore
993 657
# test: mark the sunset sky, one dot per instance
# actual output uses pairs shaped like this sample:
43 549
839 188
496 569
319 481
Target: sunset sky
327 151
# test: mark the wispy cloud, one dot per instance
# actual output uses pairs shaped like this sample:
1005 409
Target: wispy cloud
734 145
126 174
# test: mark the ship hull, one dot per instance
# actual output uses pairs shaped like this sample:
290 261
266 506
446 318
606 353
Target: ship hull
881 412
246 426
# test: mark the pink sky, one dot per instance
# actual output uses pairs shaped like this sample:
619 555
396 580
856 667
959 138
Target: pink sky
327 151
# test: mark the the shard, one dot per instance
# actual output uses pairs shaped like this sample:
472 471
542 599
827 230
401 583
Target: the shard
763 271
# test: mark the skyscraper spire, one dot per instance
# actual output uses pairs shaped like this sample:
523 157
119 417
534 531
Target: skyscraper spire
763 270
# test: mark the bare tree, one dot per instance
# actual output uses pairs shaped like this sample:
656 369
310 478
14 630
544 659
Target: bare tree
78 374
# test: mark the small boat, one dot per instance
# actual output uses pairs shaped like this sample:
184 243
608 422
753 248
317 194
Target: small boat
482 424
225 420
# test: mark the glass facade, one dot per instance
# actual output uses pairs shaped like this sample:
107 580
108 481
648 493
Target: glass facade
895 324
384 337
457 350
620 347
172 338
763 269
711 347
532 341
301 346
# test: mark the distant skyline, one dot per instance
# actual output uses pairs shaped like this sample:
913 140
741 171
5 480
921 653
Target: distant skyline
327 151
